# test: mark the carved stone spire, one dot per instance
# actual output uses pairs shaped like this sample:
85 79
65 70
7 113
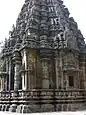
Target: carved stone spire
41 21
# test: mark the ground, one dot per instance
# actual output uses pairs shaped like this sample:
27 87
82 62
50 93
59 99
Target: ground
52 113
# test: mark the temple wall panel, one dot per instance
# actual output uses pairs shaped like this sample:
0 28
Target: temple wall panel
46 72
82 74
67 64
31 63
38 72
58 76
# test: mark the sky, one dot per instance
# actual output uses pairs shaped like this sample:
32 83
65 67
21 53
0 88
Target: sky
9 10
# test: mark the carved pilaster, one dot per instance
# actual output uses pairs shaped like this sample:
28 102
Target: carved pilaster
24 73
17 63
31 69
45 72
17 60
82 72
10 73
2 84
61 69
57 69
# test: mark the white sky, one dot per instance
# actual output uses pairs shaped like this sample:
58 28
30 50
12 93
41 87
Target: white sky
9 10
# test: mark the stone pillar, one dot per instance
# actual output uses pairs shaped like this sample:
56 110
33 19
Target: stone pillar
26 73
31 63
45 73
66 81
57 70
61 69
24 68
77 73
5 82
17 62
82 67
6 70
2 89
9 74
83 76
2 84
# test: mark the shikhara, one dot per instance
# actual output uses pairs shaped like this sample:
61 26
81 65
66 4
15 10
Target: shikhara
43 62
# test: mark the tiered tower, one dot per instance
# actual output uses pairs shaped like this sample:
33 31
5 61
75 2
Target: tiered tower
45 50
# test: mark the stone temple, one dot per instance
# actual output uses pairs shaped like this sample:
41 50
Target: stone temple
43 63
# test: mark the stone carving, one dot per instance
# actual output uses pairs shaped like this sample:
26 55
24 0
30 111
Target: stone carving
43 50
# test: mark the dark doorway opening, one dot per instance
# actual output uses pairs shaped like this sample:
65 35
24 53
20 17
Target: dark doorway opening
71 81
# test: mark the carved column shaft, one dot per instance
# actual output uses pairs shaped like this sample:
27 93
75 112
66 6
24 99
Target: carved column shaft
83 76
45 73
61 69
2 84
57 70
31 69
17 69
17 76
9 74
6 76
25 76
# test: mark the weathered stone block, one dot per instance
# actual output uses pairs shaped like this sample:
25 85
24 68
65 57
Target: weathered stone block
13 108
47 108
45 83
7 107
19 108
34 108
0 106
25 109
59 107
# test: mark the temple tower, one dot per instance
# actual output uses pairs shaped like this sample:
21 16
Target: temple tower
44 36
45 51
